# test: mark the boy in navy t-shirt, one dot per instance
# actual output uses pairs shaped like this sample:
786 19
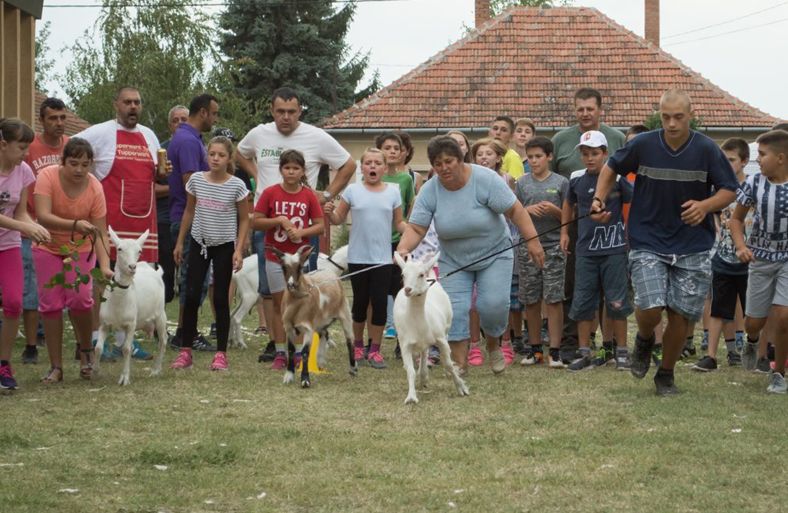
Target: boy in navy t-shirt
670 229
600 256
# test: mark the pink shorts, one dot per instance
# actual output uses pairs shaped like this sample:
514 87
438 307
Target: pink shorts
52 300
11 281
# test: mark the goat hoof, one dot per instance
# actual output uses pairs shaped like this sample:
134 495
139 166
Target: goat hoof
411 399
305 383
288 378
354 371
124 380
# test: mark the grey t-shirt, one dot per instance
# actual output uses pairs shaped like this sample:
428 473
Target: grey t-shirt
373 212
531 191
566 157
469 222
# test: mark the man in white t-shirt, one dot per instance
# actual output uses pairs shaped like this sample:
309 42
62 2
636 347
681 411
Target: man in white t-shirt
258 155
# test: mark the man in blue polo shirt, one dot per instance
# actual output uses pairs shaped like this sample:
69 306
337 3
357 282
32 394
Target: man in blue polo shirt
188 155
682 177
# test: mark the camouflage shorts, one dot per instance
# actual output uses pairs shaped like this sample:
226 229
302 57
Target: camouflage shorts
546 283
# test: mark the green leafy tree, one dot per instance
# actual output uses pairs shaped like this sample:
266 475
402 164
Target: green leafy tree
44 63
275 43
161 48
498 6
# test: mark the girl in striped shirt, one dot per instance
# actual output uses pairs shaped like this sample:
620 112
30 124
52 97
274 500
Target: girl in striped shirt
217 214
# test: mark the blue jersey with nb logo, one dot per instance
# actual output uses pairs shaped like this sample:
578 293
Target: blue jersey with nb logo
593 238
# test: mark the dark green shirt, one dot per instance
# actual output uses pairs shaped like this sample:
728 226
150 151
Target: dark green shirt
566 158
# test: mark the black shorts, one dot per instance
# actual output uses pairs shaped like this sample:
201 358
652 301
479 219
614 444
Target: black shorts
725 288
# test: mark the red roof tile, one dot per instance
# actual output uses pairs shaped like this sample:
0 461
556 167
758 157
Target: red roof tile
74 124
529 62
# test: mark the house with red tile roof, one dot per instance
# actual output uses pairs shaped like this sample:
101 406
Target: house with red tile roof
528 62
74 124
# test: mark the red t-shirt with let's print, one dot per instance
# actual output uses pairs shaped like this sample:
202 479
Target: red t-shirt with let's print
300 208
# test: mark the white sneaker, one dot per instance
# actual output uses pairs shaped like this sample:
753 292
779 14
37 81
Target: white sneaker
555 364
777 384
497 361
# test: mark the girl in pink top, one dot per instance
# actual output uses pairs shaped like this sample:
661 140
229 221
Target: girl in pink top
70 203
15 177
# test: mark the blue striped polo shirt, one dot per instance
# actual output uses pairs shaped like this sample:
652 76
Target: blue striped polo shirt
667 178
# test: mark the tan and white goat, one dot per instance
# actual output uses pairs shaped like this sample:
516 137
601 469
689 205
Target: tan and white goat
311 303
422 316
135 300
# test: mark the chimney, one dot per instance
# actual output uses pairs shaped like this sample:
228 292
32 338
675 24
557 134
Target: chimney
482 12
652 22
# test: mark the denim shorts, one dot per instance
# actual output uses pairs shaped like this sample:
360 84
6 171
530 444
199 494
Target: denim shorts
30 287
679 282
546 283
605 273
492 300
767 285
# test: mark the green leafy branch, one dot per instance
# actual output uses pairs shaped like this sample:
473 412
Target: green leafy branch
70 256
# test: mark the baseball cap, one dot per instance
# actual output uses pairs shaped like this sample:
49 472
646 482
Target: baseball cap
593 139
224 132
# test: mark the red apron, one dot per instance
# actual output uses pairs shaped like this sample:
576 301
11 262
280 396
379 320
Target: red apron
128 189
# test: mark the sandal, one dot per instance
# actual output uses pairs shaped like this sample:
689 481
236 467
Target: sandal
86 371
55 375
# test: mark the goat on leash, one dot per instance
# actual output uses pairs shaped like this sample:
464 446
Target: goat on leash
422 316
134 300
310 304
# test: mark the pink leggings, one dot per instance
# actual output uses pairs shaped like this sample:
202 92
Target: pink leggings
11 281
52 300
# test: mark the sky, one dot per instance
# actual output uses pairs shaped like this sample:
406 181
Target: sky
739 46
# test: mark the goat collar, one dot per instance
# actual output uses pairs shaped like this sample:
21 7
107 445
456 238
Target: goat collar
116 283
336 264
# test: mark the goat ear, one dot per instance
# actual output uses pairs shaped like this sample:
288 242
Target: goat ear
113 236
303 253
398 259
430 263
142 238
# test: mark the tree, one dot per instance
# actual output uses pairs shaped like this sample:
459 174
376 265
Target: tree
498 6
161 48
44 63
275 43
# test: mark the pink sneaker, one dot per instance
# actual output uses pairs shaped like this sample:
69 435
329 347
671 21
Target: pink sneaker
508 352
183 361
475 356
358 353
375 360
219 362
280 361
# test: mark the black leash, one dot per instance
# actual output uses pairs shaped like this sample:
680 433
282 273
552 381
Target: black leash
523 241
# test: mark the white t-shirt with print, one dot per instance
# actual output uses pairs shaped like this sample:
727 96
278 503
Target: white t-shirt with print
264 144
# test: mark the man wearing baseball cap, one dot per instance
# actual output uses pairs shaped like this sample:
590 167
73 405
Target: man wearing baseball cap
600 256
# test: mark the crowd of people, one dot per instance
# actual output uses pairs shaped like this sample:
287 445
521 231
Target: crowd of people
541 241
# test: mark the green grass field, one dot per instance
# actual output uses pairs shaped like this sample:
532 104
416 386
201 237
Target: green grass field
528 440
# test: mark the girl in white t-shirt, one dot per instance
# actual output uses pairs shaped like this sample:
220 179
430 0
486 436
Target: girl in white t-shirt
217 218
15 177
376 206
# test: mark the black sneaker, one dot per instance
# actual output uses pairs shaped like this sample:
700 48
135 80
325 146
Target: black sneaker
30 355
201 344
174 341
268 354
640 359
689 350
664 383
603 356
762 365
734 359
705 364
582 363
519 346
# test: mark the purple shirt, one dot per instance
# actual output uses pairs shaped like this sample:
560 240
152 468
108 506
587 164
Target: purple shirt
187 154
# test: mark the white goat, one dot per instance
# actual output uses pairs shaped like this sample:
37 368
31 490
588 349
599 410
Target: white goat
246 284
311 303
422 316
134 300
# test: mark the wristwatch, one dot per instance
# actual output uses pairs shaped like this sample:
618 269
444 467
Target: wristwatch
327 196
